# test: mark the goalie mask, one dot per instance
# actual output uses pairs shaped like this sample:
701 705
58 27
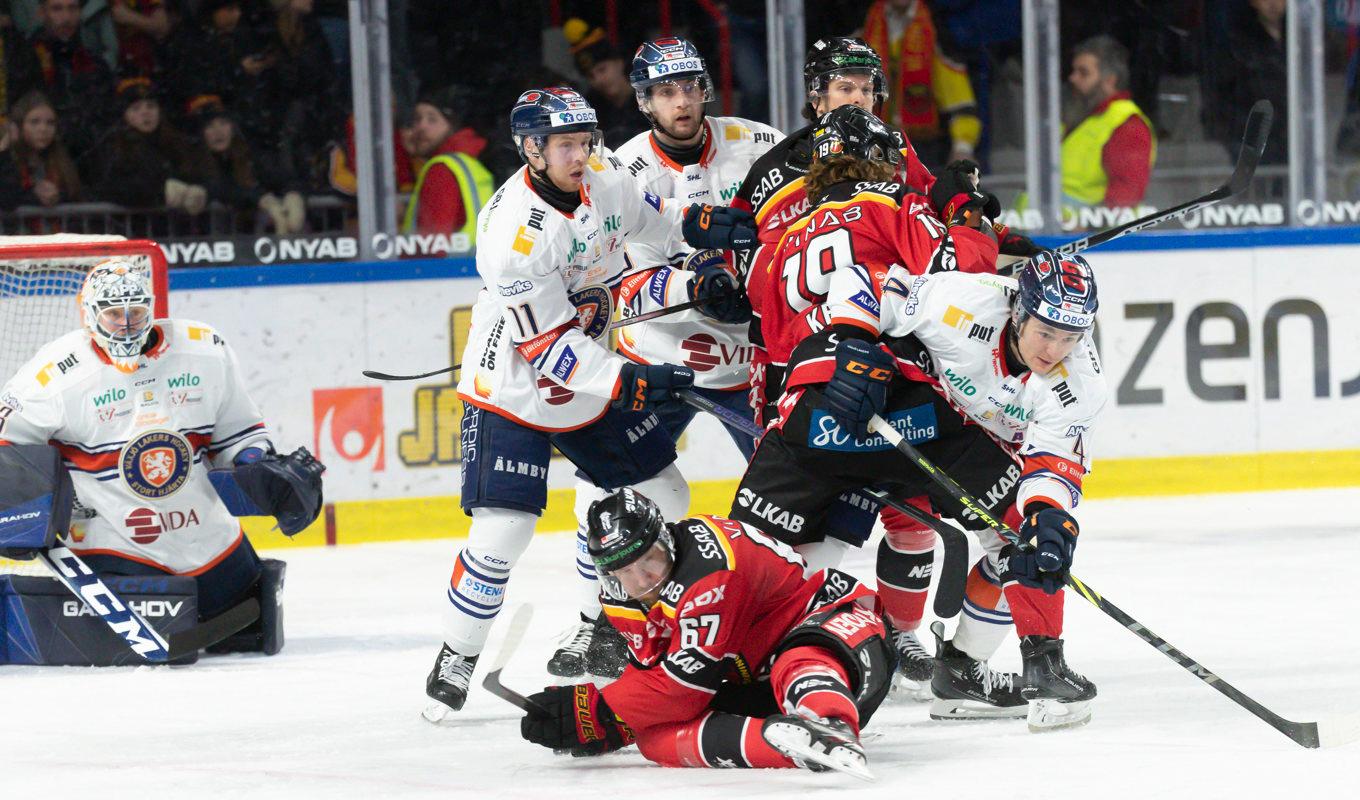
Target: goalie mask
116 308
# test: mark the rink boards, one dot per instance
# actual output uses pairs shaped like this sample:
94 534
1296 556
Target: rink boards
1230 368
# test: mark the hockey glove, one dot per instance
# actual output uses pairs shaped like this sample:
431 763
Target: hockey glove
578 721
958 198
859 387
1011 243
287 488
641 385
719 294
1043 564
708 227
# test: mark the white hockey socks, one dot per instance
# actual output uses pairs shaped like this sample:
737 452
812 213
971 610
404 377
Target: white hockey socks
476 591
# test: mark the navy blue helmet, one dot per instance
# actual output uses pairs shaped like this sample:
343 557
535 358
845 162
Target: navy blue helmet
1059 290
556 109
664 60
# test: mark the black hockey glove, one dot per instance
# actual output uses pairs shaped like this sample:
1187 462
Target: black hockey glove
958 197
287 488
859 387
707 227
717 290
641 385
1011 243
578 721
1043 564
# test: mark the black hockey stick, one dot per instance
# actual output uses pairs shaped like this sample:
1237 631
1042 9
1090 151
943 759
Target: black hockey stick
1253 144
514 634
613 326
211 631
954 572
1309 734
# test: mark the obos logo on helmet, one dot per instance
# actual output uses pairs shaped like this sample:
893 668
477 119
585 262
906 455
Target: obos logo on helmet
156 464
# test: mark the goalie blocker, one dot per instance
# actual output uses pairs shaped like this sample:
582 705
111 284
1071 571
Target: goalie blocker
42 623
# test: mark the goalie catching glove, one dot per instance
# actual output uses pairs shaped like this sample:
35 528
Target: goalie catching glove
578 721
287 488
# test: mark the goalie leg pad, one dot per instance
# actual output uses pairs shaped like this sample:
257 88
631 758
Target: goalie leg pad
265 634
41 623
35 499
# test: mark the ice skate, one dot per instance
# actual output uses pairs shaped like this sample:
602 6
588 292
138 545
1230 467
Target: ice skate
1058 697
817 744
448 684
915 667
965 688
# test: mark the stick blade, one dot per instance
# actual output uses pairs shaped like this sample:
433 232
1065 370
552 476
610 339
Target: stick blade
1259 121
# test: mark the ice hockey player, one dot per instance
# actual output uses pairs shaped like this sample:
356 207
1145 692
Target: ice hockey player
140 409
740 660
861 215
687 157
535 374
997 382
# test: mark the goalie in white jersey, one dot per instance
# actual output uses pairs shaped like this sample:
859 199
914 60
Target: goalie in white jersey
140 410
998 383
537 371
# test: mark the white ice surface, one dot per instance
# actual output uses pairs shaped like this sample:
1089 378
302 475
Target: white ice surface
1256 587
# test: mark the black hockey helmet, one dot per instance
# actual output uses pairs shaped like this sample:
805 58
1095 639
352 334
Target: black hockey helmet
842 55
852 131
621 528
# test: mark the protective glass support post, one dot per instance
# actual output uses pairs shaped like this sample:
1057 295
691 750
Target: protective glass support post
371 77
1042 56
784 43
1306 112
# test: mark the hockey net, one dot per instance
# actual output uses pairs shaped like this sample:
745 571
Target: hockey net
40 277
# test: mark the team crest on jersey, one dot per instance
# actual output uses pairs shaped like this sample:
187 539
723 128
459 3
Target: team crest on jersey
156 463
594 308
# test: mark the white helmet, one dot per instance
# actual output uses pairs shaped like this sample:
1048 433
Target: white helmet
117 309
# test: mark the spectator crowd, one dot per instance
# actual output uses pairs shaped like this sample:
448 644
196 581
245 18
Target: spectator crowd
242 107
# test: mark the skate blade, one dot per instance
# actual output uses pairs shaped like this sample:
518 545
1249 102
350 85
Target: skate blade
973 711
1054 715
906 690
795 742
436 713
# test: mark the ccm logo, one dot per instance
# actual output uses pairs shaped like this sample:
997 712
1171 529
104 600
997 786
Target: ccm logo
879 374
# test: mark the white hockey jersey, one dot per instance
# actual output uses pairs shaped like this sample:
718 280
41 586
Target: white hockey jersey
720 354
962 320
538 352
139 446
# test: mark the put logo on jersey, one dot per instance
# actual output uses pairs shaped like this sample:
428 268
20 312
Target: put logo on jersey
156 463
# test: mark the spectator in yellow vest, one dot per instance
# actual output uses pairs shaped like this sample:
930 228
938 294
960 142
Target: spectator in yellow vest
929 95
452 185
1107 156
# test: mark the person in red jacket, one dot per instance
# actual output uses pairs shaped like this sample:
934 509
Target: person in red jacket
452 185
723 632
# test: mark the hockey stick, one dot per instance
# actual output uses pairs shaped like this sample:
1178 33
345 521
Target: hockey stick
1308 734
1259 119
613 326
953 575
144 640
514 634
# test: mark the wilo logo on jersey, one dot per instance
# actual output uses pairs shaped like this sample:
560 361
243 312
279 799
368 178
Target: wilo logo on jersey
961 382
916 424
184 380
112 395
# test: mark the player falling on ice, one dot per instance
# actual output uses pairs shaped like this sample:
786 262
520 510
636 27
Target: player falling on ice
537 371
140 409
740 660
